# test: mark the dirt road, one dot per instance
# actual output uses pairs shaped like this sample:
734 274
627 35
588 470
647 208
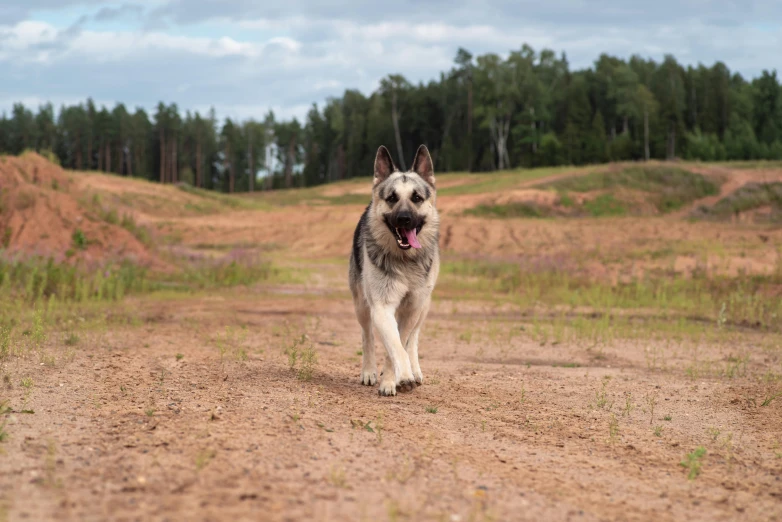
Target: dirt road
502 429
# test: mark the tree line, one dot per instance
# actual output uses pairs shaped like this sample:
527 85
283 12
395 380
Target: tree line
485 113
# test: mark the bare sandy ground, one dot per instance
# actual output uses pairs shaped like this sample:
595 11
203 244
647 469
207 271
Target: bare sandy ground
502 429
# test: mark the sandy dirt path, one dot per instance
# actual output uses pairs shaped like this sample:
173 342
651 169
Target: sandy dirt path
126 431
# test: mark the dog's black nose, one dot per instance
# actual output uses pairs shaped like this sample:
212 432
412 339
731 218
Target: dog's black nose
403 219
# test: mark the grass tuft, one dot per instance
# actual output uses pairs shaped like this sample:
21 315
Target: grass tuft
693 461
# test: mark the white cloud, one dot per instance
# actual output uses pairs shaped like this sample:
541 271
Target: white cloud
117 46
244 57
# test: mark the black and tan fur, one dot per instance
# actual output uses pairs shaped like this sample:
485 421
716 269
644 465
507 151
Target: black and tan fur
392 282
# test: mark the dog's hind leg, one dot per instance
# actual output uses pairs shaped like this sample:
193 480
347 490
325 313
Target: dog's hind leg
368 362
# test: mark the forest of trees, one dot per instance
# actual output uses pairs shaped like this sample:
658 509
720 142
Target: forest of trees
485 113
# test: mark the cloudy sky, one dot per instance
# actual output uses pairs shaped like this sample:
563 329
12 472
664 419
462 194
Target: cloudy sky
246 56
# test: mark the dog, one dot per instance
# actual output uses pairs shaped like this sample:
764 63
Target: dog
394 265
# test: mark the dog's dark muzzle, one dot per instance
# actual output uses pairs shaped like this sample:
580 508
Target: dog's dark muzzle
405 226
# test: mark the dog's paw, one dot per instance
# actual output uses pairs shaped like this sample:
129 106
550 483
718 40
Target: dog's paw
368 378
406 385
387 389
418 376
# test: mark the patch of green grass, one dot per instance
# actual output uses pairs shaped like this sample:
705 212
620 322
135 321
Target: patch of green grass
302 353
771 398
79 239
605 205
308 360
4 409
613 429
601 396
233 339
693 461
216 201
431 409
71 298
696 300
516 209
749 164
5 239
480 183
110 215
348 199
748 197
128 222
566 200
5 342
36 278
466 336
236 268
47 154
670 187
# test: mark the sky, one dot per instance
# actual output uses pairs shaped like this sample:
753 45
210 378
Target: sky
246 57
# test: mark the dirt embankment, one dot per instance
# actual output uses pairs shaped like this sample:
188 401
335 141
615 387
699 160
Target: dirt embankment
683 191
69 216
41 212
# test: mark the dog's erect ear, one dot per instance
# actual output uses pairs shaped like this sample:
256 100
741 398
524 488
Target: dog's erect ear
384 165
422 165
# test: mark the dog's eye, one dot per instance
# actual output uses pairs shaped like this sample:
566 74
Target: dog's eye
417 198
391 199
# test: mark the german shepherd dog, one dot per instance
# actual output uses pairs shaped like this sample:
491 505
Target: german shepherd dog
394 267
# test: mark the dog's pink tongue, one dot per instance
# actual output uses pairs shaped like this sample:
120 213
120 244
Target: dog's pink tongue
411 238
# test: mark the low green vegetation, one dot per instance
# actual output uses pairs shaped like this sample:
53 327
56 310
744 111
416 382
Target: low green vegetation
516 209
693 462
302 357
701 299
215 201
36 279
751 196
79 239
605 205
100 212
749 164
665 188
669 188
499 181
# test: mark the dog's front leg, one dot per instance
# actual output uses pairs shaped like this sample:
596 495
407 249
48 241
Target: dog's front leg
397 373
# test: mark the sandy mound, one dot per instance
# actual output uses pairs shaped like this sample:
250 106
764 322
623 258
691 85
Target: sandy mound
41 213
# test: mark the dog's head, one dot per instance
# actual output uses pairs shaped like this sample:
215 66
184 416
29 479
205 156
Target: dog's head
405 201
